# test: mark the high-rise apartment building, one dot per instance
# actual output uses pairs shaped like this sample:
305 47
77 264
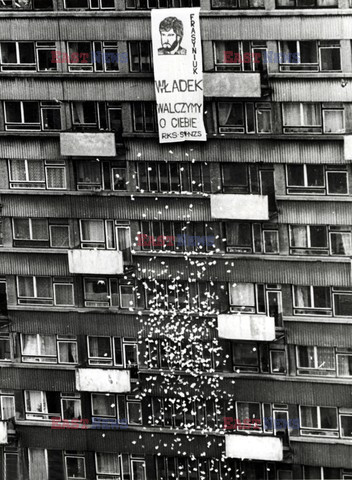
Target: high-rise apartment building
175 311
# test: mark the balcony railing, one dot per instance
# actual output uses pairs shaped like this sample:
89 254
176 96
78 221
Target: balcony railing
246 327
103 380
77 144
95 262
254 447
239 207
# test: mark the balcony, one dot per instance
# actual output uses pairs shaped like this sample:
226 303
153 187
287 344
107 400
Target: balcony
254 447
232 84
3 432
95 262
239 207
348 147
74 144
246 327
103 380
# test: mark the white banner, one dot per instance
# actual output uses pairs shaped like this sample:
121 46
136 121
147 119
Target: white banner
178 74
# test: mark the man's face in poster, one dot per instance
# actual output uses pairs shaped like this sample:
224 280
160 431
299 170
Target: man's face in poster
169 40
171 34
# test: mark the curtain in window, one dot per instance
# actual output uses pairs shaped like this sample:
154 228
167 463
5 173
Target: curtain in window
287 48
71 409
302 296
327 3
7 407
238 234
344 365
93 231
231 114
36 402
36 170
18 171
63 294
341 243
78 112
37 464
44 287
30 345
59 236
47 344
222 47
299 236
311 114
56 177
242 294
40 229
291 114
108 463
68 352
25 287
124 242
334 121
21 228
138 470
309 417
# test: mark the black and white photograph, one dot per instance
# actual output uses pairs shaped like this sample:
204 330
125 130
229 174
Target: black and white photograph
175 239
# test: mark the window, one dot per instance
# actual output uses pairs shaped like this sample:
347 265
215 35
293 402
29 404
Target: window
164 295
37 174
146 4
321 473
144 117
177 236
318 421
45 464
49 348
236 117
316 360
106 234
111 466
240 4
5 347
140 57
310 300
101 292
310 56
313 118
11 463
248 416
3 299
251 298
189 468
26 5
44 291
306 3
252 357
121 352
27 56
251 238
319 240
41 405
239 55
90 4
32 116
97 175
342 300
127 409
30 231
172 176
97 115
75 466
237 178
316 180
92 56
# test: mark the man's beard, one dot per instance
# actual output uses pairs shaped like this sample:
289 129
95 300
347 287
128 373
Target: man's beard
168 47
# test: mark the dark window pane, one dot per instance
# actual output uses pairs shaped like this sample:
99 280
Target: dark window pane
295 175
